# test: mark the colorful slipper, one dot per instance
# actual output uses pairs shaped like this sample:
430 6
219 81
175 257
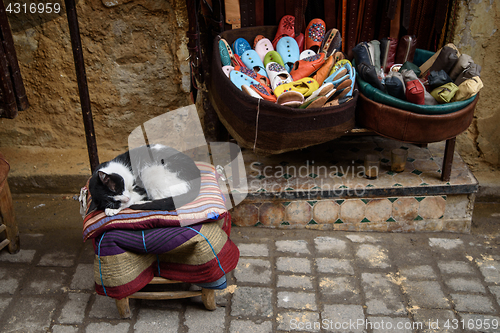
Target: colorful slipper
239 79
260 91
306 86
286 27
288 49
262 47
277 74
257 39
306 54
256 76
252 60
225 52
323 72
307 66
315 33
331 43
227 70
241 45
273 56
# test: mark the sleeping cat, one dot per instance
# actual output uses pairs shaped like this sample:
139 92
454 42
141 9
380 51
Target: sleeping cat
153 177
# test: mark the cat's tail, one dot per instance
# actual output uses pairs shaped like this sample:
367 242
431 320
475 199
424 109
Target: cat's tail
172 203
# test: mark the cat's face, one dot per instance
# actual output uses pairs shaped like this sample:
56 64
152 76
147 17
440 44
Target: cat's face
110 190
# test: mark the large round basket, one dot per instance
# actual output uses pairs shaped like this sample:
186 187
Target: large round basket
267 127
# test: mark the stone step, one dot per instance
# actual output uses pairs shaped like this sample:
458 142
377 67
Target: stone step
324 187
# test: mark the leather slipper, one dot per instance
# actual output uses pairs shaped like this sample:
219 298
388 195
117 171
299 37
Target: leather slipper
241 45
288 49
291 98
286 27
252 60
262 47
315 33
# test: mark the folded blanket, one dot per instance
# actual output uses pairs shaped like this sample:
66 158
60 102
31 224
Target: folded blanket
209 205
127 260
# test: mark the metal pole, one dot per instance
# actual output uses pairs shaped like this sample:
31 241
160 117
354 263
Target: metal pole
81 77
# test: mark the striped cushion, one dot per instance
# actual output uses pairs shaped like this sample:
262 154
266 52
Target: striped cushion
208 206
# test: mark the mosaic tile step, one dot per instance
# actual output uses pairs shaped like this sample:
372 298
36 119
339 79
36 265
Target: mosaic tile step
324 187
389 214
336 169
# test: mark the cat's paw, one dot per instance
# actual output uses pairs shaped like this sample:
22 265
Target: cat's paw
111 211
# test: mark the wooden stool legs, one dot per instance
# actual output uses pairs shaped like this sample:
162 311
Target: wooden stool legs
9 222
207 296
123 308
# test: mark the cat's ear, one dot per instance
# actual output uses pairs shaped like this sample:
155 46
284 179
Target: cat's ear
106 180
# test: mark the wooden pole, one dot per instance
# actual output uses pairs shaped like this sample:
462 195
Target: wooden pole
81 77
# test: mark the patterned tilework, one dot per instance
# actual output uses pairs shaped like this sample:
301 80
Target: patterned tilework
324 187
403 214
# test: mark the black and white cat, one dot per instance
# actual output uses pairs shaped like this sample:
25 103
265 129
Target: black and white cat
153 177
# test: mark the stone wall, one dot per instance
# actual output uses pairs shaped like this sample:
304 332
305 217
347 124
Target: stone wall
135 57
135 54
476 34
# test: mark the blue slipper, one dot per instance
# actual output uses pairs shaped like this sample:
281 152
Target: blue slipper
241 45
239 79
289 51
225 52
252 60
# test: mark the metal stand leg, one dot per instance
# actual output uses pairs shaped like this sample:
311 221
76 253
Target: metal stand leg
448 159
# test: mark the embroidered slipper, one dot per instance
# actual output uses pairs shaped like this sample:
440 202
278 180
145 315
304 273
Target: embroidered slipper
252 60
227 69
306 54
225 52
277 74
306 86
273 56
315 33
286 27
241 45
288 49
239 79
262 47
256 76
307 66
331 43
259 91
290 98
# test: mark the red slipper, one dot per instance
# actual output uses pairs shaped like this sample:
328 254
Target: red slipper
285 28
315 33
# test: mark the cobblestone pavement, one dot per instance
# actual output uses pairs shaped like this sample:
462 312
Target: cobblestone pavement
286 280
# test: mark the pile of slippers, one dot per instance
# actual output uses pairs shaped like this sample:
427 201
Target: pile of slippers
387 65
305 71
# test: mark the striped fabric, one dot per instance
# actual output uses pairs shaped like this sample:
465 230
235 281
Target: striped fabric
209 205
127 260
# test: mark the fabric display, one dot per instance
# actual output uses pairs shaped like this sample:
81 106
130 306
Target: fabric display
437 81
307 72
